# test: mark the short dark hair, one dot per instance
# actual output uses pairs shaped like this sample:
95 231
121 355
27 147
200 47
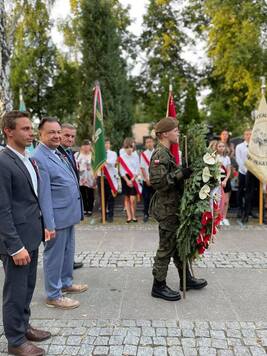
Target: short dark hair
86 142
9 120
47 119
148 138
128 142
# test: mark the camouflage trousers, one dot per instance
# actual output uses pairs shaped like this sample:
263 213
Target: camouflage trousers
167 250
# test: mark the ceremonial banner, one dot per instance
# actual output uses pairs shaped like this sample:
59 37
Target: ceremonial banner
171 112
257 149
99 155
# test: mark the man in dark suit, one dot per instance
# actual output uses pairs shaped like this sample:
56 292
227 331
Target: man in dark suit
21 232
68 136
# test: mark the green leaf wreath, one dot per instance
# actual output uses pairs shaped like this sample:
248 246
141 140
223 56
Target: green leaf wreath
199 201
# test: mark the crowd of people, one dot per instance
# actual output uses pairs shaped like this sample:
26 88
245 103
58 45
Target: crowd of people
130 171
45 194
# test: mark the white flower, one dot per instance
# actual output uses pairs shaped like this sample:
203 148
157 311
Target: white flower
204 192
206 174
209 159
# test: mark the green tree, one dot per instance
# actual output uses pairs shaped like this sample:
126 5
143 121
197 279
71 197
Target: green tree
63 97
190 111
34 56
162 41
236 36
101 46
5 59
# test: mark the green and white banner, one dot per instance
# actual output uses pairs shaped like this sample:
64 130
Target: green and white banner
99 155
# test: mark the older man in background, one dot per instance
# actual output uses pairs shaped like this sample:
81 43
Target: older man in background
68 136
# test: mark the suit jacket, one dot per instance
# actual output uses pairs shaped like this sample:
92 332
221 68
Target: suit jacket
59 192
20 215
71 160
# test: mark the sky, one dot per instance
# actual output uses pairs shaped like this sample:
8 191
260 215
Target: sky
61 9
194 55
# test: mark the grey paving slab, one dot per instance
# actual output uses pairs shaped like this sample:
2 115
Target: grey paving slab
118 316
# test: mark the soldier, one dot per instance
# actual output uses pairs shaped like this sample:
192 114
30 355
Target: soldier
167 180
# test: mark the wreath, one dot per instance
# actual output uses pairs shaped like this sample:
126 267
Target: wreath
199 207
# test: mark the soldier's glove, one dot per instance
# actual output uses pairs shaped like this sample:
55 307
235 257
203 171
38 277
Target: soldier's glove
187 172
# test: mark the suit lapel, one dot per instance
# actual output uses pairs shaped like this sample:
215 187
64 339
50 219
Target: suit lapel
22 167
58 161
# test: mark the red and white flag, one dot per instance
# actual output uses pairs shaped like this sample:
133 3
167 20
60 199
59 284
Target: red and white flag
171 112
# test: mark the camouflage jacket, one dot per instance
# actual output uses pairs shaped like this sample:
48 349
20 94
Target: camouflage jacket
167 180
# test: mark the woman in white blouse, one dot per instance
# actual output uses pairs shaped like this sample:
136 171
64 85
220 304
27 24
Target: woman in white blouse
87 178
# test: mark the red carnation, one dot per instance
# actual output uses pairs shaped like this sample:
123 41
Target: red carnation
215 205
217 220
206 216
201 250
206 239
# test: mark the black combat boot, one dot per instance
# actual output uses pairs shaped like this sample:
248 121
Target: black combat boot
191 282
161 290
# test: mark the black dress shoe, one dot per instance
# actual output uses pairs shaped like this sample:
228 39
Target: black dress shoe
191 282
254 215
161 290
244 219
77 265
146 217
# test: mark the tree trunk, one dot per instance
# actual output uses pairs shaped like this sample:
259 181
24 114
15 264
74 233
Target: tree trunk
5 52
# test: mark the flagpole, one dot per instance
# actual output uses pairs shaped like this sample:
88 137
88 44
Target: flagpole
263 88
170 91
99 152
103 206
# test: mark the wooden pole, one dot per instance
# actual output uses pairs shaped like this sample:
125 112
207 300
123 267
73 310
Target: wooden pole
184 278
103 207
263 88
260 203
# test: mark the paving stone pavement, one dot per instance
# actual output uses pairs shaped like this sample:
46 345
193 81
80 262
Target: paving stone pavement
152 337
117 259
229 318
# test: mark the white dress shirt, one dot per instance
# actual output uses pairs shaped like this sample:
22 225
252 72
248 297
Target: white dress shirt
143 164
29 166
241 155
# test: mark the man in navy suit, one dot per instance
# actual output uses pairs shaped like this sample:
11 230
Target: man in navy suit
61 206
21 232
68 135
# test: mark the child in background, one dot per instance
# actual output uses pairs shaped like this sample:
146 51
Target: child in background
225 162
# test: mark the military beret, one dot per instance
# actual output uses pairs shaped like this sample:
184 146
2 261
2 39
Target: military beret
166 124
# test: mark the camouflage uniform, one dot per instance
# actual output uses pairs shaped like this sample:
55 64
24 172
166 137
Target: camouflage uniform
167 180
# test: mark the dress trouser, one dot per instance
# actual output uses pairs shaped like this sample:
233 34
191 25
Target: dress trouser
88 197
147 193
18 289
241 191
58 262
167 249
252 185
